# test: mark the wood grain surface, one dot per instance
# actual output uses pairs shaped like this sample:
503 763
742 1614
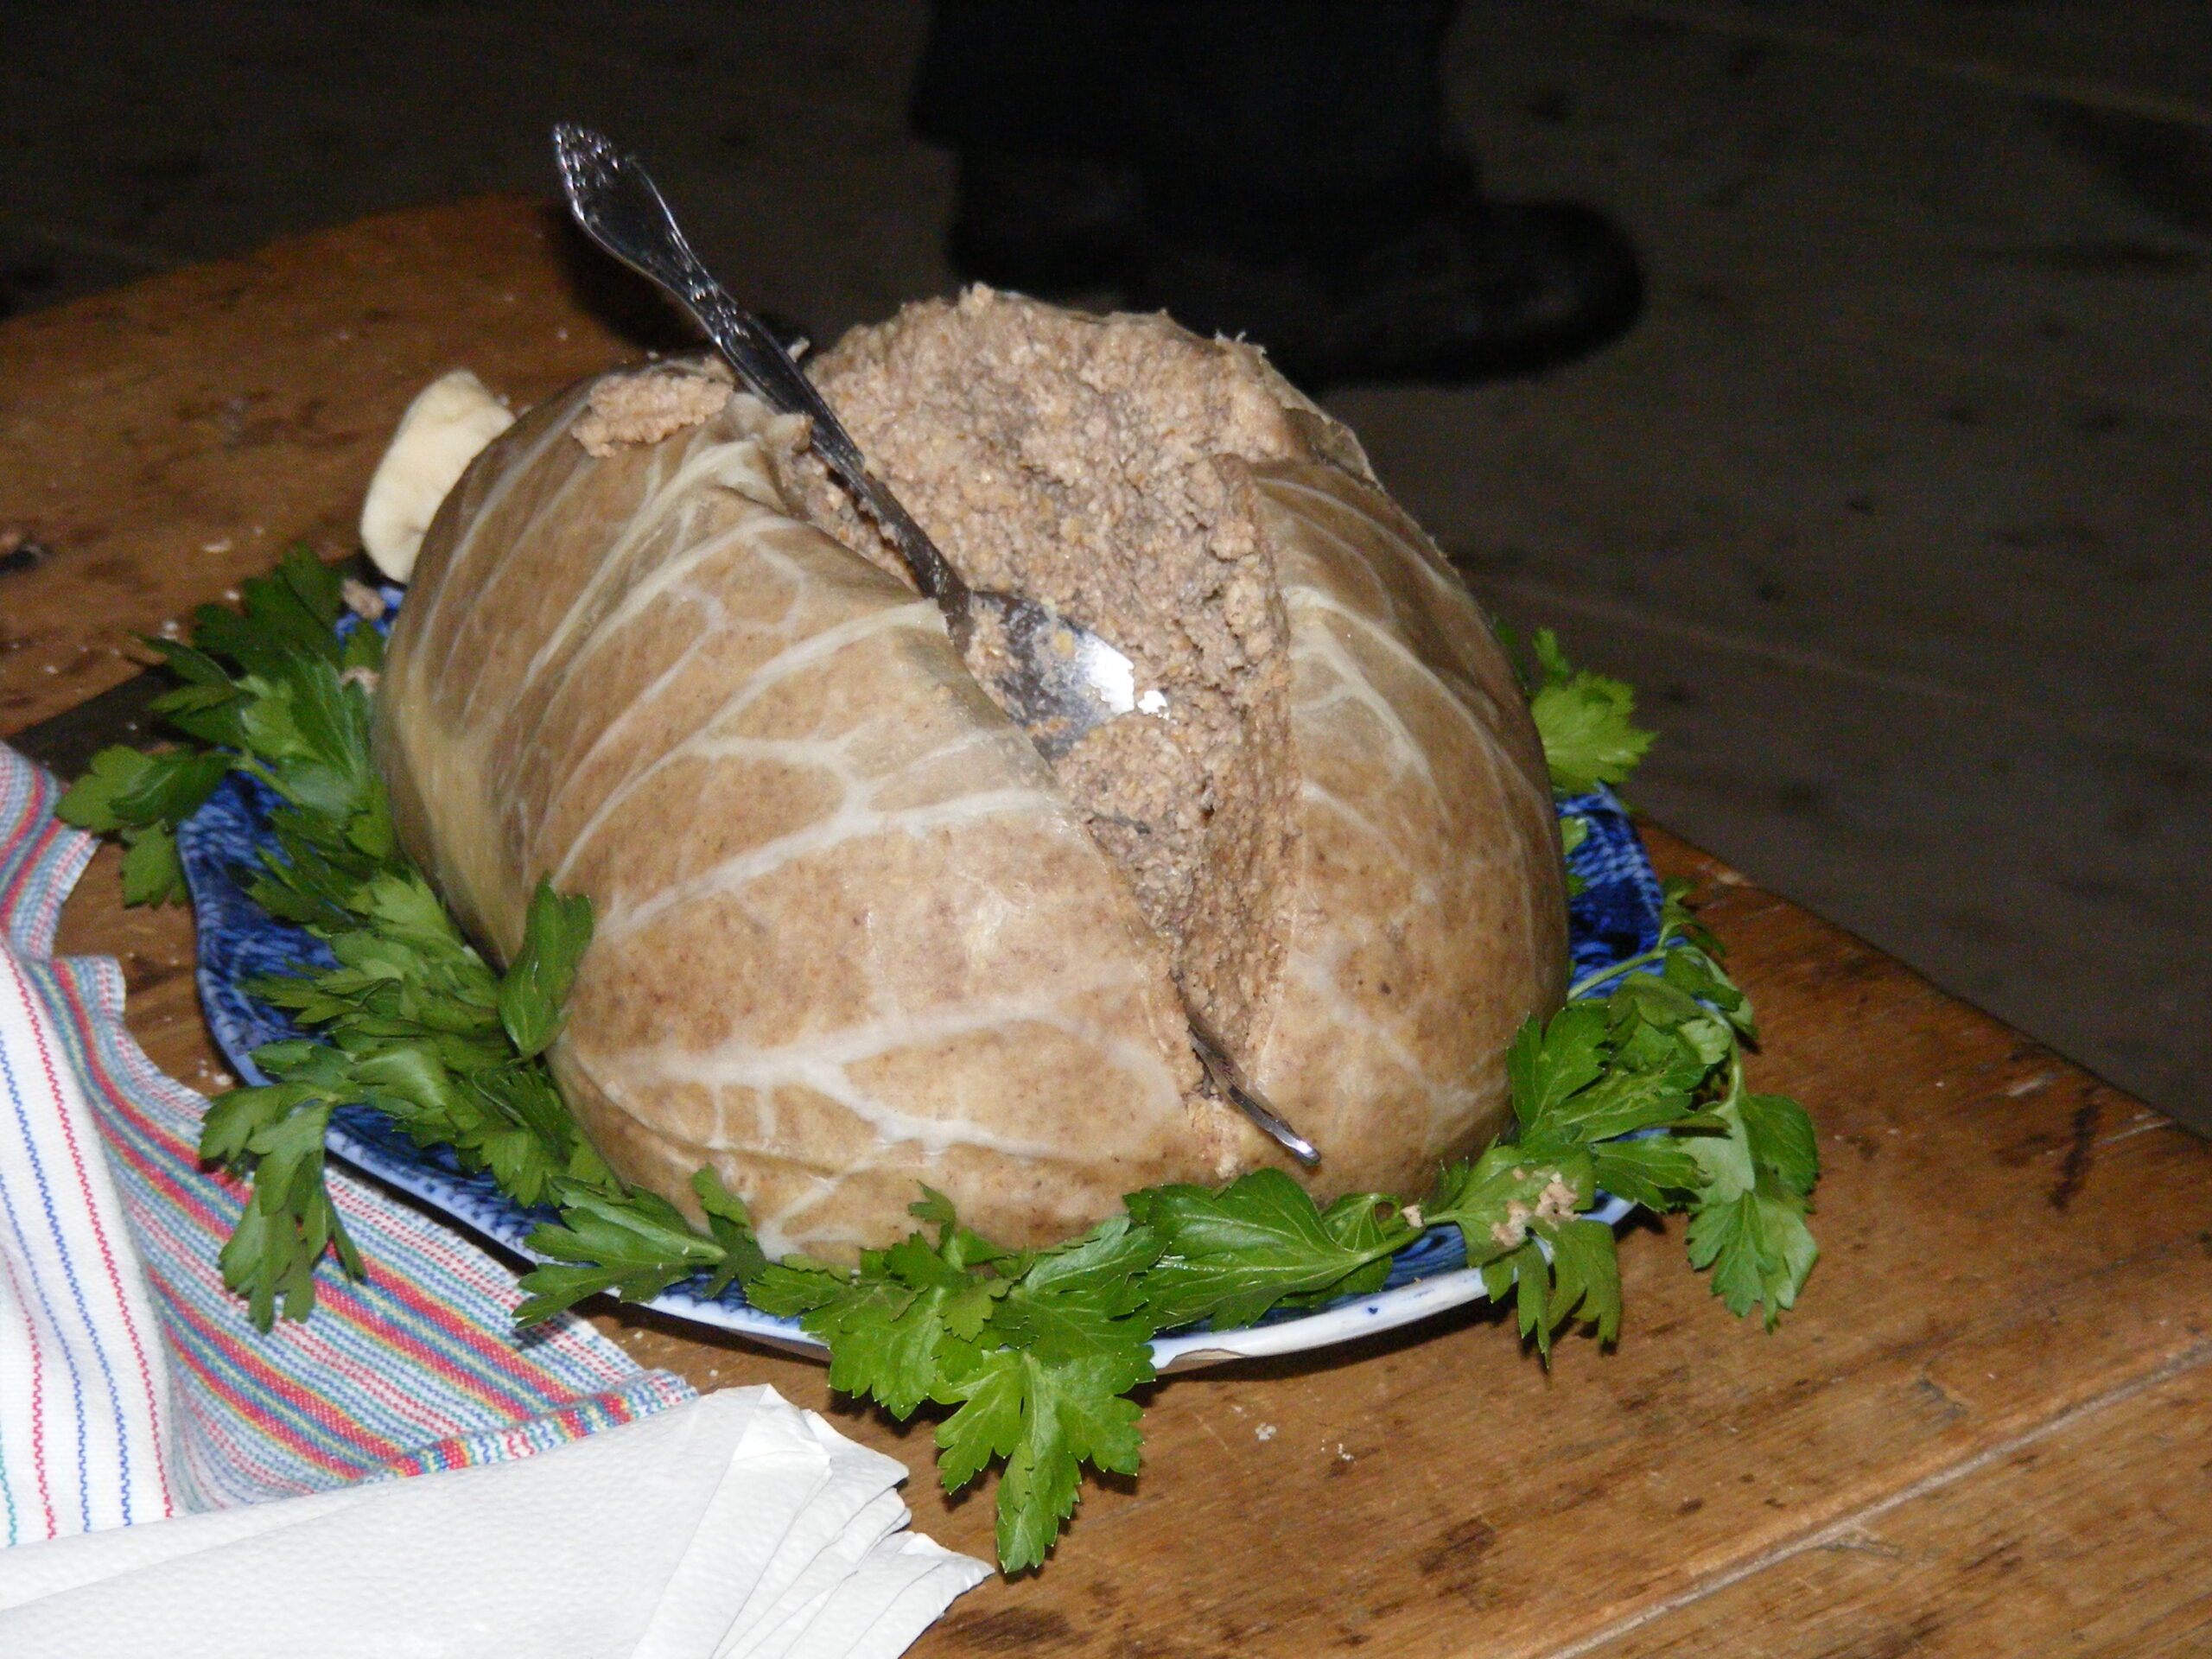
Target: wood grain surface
164 441
1984 1430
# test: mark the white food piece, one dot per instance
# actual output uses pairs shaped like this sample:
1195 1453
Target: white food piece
446 426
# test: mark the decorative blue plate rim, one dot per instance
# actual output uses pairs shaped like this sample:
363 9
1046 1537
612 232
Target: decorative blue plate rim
1616 915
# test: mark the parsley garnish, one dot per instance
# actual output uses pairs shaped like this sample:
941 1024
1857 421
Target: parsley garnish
1589 740
1635 1088
413 1022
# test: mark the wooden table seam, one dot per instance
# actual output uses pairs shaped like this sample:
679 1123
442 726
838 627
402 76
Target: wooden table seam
1837 1533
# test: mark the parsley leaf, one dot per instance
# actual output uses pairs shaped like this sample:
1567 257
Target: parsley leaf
1780 1135
1516 1212
637 1245
1748 1223
1042 1385
730 1223
1235 1253
1584 722
538 983
1548 1063
126 787
275 1134
1046 1417
152 873
1758 1247
139 797
887 1322
1657 1172
1586 1278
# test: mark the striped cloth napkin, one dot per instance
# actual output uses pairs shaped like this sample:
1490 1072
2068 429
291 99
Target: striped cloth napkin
111 1413
133 1389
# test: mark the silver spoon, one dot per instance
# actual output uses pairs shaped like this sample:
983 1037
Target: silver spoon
1057 679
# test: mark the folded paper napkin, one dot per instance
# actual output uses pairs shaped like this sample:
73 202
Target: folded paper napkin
735 1525
133 1389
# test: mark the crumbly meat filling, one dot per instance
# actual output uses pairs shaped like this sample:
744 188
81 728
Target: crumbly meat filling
645 407
1098 464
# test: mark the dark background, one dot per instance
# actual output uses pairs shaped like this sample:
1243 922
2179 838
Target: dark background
1898 505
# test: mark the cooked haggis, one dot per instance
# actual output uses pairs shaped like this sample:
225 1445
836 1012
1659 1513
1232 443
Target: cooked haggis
853 931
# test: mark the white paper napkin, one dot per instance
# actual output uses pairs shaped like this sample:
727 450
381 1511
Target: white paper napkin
735 1525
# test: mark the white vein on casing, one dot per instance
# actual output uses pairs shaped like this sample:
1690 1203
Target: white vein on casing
810 751
1439 578
1319 973
712 463
649 588
921 613
484 590
670 581
1424 886
846 824
1393 647
1443 580
821 1063
1315 643
512 473
714 629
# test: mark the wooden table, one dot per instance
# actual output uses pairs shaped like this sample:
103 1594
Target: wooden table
1987 1430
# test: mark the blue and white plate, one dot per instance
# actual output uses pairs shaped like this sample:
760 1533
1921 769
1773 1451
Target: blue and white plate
1615 916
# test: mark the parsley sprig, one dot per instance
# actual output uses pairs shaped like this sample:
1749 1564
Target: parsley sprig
1635 1088
1592 742
413 1022
1591 738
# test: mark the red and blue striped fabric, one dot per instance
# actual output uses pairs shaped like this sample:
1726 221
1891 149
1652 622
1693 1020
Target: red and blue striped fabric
84 1381
132 1385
